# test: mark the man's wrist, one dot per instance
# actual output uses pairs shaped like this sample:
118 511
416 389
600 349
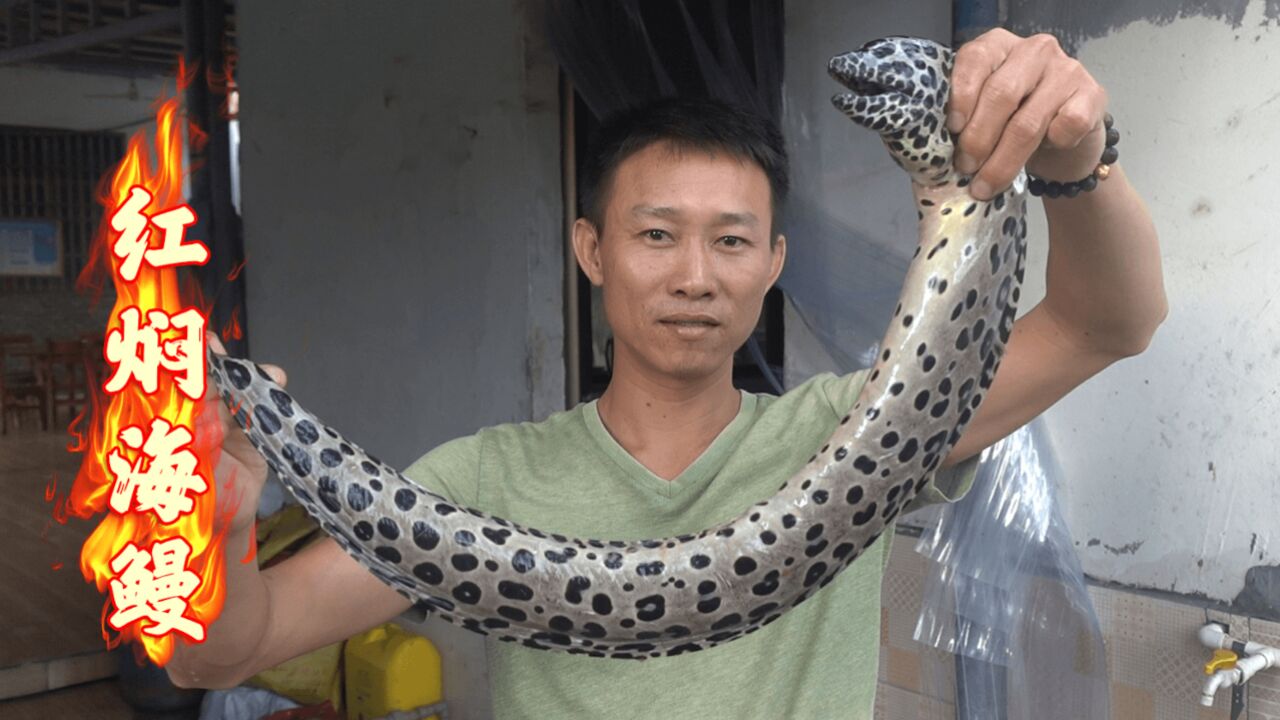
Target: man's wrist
1069 165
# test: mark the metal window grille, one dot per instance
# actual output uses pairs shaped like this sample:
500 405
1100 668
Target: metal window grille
53 174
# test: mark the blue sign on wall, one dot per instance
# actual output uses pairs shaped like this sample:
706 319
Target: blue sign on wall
30 247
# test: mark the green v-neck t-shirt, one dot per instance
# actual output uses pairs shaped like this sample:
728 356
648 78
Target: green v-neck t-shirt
568 475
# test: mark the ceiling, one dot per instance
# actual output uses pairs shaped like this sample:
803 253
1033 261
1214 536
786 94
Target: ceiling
135 38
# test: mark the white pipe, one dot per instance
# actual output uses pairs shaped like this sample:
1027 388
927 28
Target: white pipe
1215 637
1260 659
1215 681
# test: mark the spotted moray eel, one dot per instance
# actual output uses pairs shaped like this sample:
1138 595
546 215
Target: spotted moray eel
638 599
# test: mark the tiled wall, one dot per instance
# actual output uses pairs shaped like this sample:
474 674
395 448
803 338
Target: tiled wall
1155 664
52 314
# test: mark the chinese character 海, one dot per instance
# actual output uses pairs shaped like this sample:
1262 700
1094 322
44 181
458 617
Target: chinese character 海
170 473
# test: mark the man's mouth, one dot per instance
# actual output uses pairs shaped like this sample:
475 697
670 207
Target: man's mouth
690 321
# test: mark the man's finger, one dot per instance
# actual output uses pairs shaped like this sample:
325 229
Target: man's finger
211 338
211 390
1078 116
277 373
975 61
1022 136
1000 98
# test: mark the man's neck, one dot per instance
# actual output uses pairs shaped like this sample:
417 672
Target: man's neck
664 424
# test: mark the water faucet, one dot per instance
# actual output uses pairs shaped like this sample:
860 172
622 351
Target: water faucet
1227 668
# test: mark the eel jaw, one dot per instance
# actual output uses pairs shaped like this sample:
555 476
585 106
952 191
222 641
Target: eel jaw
873 93
857 71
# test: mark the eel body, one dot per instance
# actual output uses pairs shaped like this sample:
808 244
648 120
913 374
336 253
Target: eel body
637 599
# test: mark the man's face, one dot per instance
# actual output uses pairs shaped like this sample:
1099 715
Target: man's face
684 260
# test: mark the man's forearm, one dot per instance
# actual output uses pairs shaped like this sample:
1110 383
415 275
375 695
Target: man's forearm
1104 281
233 638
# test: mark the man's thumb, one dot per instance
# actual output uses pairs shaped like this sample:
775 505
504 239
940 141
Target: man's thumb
277 373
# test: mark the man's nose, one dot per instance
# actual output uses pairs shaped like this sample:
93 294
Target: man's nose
695 274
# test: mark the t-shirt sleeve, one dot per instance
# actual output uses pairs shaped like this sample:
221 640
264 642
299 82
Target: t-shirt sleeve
948 484
451 469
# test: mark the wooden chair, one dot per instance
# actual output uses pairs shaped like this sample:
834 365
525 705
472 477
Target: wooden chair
96 366
68 375
22 382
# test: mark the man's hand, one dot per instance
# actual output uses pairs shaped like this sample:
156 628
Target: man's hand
278 614
1023 101
1019 101
241 471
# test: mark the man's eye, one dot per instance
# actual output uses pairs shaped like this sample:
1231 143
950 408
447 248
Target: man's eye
733 241
656 234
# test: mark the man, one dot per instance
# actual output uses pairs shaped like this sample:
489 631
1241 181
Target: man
679 234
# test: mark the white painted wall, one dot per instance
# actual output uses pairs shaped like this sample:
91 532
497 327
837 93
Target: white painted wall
1171 465
401 199
38 97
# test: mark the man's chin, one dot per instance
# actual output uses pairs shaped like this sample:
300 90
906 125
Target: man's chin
691 369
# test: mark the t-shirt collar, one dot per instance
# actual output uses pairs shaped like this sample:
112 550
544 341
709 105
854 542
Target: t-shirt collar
699 472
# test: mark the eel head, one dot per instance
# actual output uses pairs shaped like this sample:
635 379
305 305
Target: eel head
898 87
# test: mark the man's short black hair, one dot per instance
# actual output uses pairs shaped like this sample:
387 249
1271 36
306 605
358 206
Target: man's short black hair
687 124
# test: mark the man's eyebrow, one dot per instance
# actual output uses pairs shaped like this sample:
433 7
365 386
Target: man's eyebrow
743 218
747 219
662 212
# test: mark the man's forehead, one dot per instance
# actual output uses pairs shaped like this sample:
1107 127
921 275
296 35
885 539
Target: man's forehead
665 152
668 212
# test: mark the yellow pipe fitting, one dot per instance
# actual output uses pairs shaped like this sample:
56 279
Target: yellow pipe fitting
1222 660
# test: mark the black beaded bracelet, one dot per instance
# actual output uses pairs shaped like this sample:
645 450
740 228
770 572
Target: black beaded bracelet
1052 188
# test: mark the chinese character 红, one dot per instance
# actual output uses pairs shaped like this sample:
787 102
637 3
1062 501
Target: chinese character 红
132 246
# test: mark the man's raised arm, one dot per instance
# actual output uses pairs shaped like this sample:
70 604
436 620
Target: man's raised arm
315 598
1022 101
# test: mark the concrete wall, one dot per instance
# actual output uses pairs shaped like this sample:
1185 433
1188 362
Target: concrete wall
401 201
1170 463
850 205
39 97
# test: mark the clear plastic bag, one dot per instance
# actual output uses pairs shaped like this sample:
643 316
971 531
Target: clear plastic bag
1007 597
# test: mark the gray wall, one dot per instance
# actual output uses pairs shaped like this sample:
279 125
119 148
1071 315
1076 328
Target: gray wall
844 184
401 200
837 166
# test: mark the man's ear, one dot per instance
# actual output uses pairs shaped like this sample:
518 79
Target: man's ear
779 259
586 247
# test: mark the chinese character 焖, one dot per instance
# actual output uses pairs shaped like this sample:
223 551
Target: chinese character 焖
137 351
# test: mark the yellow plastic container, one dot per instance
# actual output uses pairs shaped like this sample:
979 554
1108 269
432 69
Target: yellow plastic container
389 670
307 679
317 676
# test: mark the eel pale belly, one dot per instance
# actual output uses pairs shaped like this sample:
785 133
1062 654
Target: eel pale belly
638 599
